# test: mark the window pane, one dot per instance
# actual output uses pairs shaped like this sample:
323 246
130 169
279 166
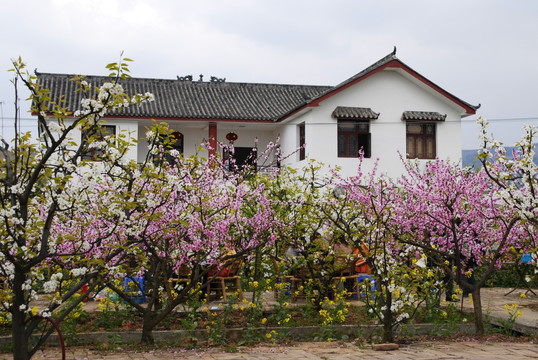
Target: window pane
341 145
352 135
414 129
420 147
363 128
346 126
430 148
302 138
352 146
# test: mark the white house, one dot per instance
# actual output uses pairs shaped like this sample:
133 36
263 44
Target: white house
386 109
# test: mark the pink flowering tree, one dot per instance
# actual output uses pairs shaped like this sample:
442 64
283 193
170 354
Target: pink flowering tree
364 208
36 187
459 220
190 214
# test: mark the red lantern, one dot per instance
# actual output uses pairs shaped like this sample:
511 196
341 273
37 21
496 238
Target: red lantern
231 137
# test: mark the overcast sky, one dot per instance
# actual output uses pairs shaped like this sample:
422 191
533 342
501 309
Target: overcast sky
482 51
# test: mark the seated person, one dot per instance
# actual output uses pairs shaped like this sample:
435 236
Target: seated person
226 271
361 266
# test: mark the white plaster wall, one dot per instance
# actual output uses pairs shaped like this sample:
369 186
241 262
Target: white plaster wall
389 94
289 139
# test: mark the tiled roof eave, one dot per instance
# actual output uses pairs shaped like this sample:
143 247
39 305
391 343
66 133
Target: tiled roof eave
175 118
423 116
354 113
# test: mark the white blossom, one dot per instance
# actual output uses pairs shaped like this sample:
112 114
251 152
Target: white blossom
50 286
79 272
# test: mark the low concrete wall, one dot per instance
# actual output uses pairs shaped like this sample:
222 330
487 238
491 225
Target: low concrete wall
304 333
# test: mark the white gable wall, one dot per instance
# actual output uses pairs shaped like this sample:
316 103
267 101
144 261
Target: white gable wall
390 94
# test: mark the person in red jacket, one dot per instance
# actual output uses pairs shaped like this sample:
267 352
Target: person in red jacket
361 266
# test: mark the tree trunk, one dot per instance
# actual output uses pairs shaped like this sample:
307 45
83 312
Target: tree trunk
388 335
147 329
477 306
18 326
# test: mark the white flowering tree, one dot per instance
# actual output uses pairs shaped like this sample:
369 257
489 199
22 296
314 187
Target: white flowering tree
37 185
307 233
515 174
364 209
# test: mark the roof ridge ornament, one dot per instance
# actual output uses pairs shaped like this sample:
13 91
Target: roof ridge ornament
217 80
394 51
185 78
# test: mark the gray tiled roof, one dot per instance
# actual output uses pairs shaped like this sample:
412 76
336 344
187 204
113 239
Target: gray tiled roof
185 99
197 100
423 115
354 113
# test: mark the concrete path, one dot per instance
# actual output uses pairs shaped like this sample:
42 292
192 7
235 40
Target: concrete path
339 350
494 301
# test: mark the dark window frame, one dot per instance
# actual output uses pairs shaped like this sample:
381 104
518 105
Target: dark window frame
354 135
302 141
416 143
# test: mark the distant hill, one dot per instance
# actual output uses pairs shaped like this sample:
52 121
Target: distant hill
469 155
